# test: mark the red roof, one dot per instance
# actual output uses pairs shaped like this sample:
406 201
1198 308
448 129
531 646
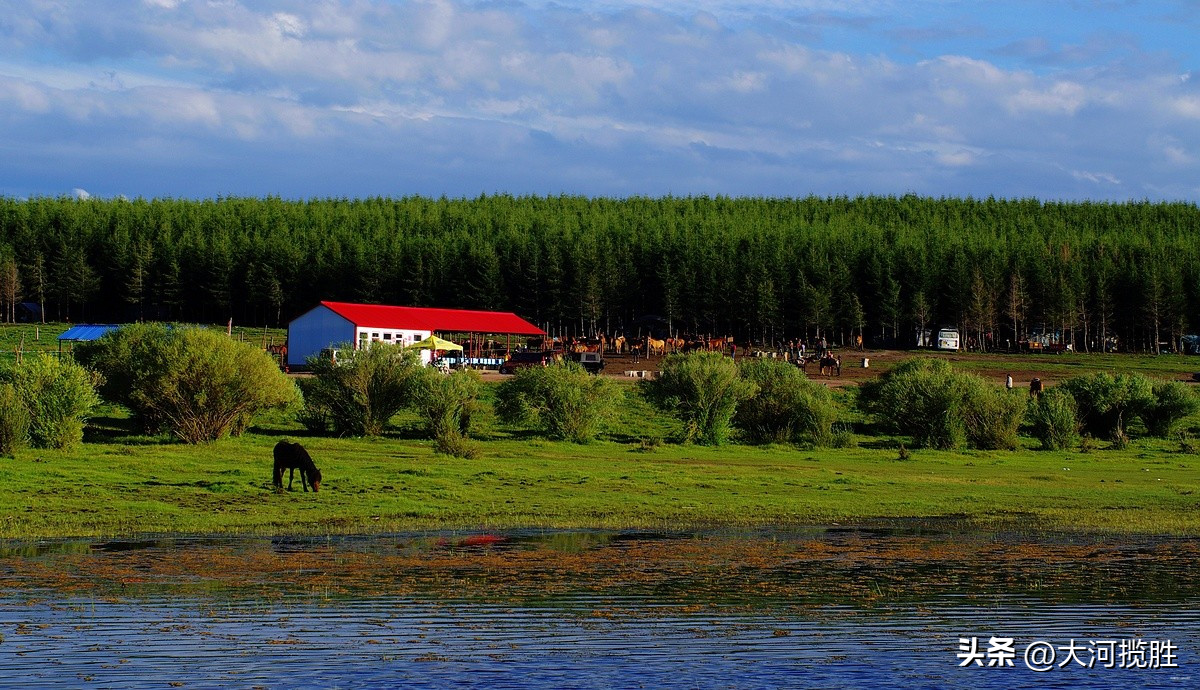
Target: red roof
426 319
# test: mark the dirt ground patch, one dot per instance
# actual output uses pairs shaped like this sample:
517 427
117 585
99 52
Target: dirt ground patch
864 365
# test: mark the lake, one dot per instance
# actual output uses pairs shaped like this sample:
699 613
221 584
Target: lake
806 607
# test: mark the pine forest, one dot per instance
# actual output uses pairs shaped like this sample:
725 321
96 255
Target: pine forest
760 269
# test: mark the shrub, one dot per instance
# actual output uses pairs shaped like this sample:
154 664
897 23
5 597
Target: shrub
312 416
940 407
1173 402
703 389
447 404
787 407
196 383
130 360
563 400
14 421
364 389
922 398
843 437
992 415
57 396
1055 419
1107 403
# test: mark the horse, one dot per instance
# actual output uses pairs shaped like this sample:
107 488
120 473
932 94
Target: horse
655 347
618 344
1035 388
291 457
831 363
720 344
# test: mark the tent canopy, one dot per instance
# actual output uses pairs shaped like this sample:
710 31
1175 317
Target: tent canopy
435 343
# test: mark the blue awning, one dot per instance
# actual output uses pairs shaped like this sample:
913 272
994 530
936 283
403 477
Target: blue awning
87 331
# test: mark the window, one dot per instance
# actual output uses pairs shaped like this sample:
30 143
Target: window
387 336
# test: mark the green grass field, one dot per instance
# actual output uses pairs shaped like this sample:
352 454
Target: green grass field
122 483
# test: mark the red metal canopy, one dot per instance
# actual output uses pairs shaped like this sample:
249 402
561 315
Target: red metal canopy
427 319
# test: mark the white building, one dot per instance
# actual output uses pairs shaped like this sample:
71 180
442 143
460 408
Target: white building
333 324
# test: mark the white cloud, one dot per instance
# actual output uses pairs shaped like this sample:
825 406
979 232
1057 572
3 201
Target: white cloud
81 194
1059 98
1101 178
721 90
1186 106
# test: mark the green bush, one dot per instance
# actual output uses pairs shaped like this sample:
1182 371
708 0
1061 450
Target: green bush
196 383
58 395
703 389
1108 403
787 407
940 407
922 398
992 415
311 415
1173 402
447 403
130 359
364 389
14 421
563 400
1055 419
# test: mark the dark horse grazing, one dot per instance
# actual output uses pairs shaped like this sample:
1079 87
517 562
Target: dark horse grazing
291 457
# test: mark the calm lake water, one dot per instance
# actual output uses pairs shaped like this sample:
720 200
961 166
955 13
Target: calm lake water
781 608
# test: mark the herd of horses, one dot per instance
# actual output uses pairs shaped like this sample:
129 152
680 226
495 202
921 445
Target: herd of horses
827 362
644 346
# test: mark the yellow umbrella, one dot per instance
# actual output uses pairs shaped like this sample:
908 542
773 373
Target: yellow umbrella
435 343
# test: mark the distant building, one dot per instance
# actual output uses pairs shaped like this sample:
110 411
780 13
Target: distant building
29 312
338 323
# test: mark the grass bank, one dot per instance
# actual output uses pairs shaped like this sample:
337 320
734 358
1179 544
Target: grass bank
133 485
121 483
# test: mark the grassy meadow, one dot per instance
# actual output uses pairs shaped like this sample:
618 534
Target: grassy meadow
120 482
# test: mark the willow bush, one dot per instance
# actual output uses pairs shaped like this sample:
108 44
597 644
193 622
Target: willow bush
940 407
1107 403
562 400
1055 419
361 392
1173 402
196 383
14 421
56 395
787 406
447 403
703 390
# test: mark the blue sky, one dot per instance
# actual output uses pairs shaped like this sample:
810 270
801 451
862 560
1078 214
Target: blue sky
1082 99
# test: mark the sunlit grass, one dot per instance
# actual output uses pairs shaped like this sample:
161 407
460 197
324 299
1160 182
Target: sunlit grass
121 482
128 485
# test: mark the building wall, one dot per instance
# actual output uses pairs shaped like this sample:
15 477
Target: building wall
315 330
392 336
404 336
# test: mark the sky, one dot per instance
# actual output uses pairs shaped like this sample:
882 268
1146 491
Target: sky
1056 100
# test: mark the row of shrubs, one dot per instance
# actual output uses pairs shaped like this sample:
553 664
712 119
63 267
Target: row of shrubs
200 385
940 407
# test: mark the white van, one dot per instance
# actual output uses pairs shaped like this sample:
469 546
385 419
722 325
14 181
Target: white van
947 339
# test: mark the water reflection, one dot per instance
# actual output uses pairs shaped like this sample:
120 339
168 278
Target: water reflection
801 608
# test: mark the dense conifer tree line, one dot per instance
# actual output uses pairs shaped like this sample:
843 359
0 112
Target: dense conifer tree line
758 268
